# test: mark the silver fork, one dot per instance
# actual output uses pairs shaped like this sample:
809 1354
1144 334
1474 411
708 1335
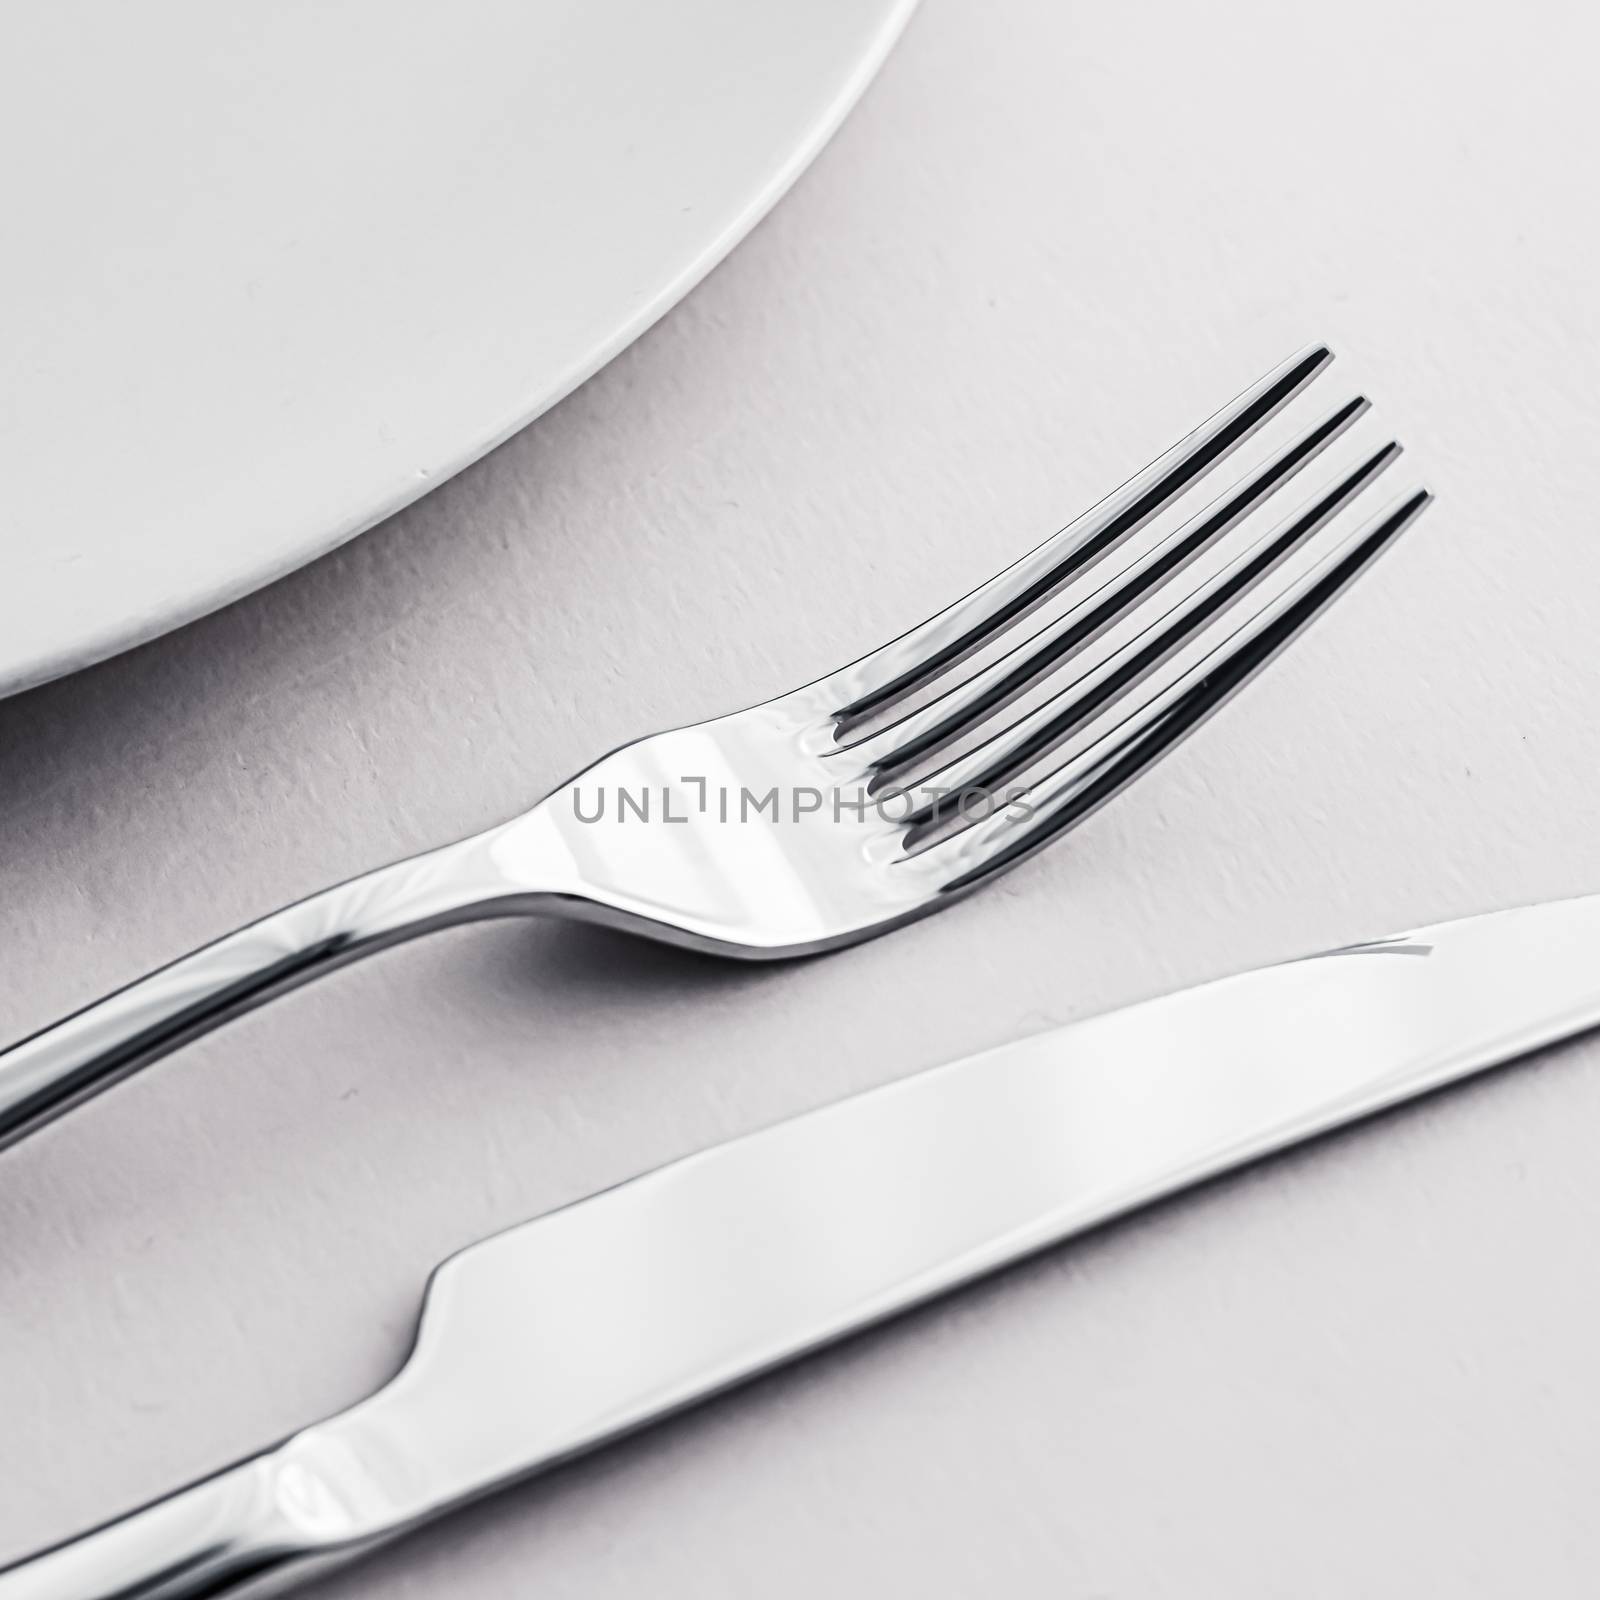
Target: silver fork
875 795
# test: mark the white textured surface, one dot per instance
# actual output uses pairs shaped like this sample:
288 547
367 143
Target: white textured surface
1037 253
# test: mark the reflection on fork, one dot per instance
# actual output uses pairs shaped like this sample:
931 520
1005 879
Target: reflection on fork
927 768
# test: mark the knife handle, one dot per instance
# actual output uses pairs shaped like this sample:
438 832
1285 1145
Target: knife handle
59 1067
213 1538
249 1530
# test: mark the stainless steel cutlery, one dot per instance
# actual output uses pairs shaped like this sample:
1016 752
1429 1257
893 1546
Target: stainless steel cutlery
558 1335
881 792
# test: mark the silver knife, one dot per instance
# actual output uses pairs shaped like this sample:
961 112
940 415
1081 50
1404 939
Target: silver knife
558 1335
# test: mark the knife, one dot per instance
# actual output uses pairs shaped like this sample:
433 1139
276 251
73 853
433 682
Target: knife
560 1334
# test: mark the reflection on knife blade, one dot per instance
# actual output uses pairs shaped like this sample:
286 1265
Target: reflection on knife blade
557 1335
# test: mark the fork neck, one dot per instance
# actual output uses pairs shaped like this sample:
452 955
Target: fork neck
50 1072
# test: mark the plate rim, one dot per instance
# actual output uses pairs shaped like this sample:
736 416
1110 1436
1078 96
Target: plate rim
98 645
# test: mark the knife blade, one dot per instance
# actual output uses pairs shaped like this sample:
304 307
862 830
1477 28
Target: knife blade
564 1332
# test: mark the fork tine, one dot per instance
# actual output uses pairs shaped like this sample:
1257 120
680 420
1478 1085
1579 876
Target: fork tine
983 852
965 705
948 637
1010 751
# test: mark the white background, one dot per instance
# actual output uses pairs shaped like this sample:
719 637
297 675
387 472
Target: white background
1052 237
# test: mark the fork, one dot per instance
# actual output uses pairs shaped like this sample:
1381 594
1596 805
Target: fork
871 797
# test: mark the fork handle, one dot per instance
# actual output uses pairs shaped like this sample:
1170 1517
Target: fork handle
57 1068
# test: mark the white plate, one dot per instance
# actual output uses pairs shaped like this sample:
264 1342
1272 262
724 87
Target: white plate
271 272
